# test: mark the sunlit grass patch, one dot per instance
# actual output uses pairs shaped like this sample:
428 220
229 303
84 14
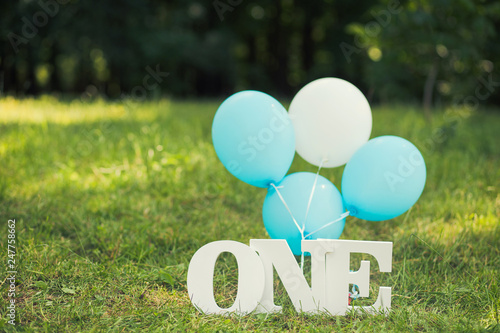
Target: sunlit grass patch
113 198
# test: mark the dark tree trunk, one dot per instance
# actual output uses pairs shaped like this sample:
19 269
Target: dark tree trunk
30 86
278 47
307 46
430 82
82 81
55 83
2 71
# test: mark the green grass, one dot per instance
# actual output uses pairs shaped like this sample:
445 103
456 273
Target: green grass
112 200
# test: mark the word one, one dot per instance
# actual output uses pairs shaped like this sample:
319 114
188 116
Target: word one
330 276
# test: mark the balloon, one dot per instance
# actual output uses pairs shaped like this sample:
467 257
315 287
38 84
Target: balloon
332 119
253 137
326 206
383 179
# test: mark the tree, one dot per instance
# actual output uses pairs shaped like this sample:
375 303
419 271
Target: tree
433 42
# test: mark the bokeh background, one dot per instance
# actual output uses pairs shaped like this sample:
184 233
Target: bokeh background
419 51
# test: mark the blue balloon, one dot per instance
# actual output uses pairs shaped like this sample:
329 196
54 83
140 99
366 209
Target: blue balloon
383 179
253 137
326 206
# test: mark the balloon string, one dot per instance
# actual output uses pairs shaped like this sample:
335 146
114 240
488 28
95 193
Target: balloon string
289 211
312 192
301 230
307 211
342 216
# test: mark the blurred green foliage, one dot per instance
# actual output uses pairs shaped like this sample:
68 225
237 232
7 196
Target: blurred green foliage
416 50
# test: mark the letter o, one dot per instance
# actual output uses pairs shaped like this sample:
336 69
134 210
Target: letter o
359 43
372 28
471 102
138 92
266 136
416 158
274 127
200 278
40 19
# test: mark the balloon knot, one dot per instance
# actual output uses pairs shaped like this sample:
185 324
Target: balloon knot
352 211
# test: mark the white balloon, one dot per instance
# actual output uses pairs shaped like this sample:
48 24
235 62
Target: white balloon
332 119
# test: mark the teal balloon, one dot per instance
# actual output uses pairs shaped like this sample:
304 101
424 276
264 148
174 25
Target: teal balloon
326 206
253 137
383 179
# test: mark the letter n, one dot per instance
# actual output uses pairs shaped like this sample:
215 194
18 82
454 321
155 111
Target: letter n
275 252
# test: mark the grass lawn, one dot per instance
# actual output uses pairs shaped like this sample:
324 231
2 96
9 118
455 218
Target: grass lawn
112 200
